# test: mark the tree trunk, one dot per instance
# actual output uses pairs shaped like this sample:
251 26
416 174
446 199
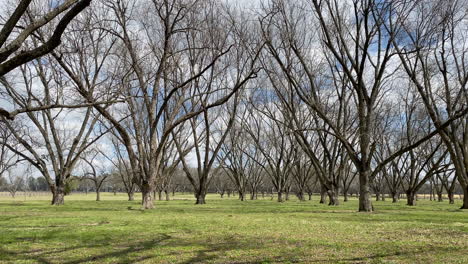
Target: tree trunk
222 195
465 198
253 195
300 196
287 196
310 196
383 197
98 195
377 196
200 195
280 197
440 197
58 195
241 196
365 203
131 196
200 199
323 195
411 198
345 193
147 196
395 197
168 198
160 195
333 196
451 197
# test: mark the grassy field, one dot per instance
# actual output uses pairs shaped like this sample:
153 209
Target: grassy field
228 231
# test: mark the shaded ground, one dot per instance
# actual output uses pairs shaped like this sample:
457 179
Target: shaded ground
229 231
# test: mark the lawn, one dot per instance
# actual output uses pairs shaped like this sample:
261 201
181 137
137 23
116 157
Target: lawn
228 231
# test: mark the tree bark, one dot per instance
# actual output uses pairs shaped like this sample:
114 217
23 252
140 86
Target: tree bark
98 195
241 196
451 197
411 198
147 193
323 195
310 196
395 197
465 198
300 196
168 198
58 196
440 197
280 197
345 193
377 196
200 195
365 203
131 196
333 196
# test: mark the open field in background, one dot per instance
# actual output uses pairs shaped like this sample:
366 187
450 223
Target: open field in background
228 231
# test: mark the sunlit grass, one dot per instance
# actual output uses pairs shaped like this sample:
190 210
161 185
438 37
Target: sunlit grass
228 231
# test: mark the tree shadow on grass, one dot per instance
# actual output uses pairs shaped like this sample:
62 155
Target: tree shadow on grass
129 252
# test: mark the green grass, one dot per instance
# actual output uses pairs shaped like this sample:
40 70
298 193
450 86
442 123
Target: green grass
228 231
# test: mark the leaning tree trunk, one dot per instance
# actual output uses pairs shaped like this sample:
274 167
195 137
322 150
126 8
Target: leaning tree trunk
147 191
365 203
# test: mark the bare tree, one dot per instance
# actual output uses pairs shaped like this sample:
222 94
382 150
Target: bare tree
431 47
15 33
94 170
